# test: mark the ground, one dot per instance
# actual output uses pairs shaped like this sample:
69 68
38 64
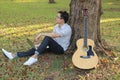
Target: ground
20 19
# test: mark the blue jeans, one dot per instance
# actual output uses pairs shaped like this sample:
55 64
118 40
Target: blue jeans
47 41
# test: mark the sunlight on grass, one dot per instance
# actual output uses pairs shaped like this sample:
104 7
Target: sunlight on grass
110 19
110 3
22 1
25 30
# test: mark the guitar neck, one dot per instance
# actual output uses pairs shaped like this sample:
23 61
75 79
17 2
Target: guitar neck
85 31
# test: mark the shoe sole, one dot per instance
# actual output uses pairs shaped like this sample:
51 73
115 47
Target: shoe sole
4 55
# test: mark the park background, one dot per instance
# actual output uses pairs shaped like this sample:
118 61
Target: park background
20 19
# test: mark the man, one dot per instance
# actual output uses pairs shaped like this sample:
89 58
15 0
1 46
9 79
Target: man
57 41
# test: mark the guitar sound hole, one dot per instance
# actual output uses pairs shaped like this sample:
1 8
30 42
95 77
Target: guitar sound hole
85 48
89 52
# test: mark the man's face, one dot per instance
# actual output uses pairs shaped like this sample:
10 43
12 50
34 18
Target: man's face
59 20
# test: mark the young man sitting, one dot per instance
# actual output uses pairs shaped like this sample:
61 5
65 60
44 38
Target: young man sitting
56 41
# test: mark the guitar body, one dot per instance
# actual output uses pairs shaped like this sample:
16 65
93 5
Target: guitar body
84 63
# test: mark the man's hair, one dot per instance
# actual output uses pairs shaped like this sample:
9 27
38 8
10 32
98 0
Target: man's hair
64 15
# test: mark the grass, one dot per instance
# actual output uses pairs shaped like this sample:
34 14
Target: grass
41 11
25 18
110 23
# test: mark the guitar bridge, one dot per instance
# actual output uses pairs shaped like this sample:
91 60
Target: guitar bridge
86 57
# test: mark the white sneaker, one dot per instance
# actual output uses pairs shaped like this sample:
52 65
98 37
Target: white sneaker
30 61
7 54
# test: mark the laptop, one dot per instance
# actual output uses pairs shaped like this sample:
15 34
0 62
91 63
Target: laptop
30 43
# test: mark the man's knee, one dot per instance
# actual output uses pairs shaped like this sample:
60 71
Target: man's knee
47 37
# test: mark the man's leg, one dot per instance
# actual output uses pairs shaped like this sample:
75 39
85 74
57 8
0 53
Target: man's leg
53 45
29 52
39 50
18 54
47 41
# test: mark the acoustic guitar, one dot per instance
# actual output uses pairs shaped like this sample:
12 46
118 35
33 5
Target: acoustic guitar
85 57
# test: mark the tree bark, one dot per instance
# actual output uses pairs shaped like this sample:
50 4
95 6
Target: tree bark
51 1
76 21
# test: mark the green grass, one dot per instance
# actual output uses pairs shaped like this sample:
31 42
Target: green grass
30 12
25 18
110 23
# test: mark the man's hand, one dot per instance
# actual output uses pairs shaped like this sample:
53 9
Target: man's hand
52 35
36 40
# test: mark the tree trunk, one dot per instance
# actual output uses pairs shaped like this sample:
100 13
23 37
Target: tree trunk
51 1
77 23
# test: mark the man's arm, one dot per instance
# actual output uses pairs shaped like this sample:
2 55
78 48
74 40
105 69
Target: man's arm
52 35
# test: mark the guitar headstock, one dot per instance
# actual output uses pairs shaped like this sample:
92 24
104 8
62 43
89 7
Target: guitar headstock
85 12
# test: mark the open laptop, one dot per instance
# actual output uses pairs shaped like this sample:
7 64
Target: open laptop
30 43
